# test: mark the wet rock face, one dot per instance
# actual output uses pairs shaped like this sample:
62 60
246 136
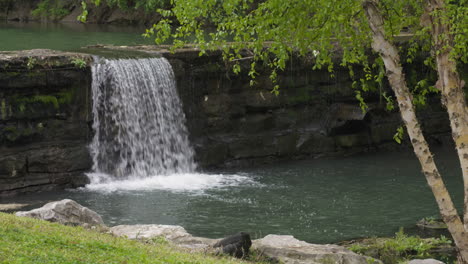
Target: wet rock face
233 124
44 121
45 116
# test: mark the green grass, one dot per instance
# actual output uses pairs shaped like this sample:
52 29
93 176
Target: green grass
401 248
25 240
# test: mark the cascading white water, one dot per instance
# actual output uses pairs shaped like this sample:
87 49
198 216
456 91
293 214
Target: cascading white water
138 121
140 141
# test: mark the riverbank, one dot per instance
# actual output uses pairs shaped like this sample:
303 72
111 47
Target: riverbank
78 235
26 240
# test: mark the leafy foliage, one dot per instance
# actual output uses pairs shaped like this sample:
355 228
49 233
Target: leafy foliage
398 137
400 248
80 63
149 5
272 30
269 32
50 9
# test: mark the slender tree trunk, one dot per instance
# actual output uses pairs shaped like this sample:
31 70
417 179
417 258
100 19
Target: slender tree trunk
451 87
394 72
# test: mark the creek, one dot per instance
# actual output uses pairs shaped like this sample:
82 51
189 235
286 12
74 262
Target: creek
320 201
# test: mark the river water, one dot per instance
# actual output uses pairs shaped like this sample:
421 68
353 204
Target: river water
320 201
66 36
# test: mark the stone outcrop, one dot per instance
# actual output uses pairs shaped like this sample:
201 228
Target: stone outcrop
286 249
289 250
67 212
45 117
174 234
232 123
44 120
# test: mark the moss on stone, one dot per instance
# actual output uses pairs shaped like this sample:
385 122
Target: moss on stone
66 97
11 73
11 133
22 102
35 74
3 109
14 133
300 95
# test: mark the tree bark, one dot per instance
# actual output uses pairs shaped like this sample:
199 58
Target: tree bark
451 87
394 73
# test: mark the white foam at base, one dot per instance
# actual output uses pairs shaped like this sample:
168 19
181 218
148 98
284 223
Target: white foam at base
191 182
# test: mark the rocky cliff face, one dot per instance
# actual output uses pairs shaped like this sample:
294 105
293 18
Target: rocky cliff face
44 120
233 123
45 117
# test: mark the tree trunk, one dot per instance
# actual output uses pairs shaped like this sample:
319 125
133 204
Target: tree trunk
451 87
394 72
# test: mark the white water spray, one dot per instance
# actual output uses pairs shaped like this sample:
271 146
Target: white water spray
138 121
140 141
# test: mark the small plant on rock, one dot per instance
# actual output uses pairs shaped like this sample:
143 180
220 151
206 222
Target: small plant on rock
80 63
31 62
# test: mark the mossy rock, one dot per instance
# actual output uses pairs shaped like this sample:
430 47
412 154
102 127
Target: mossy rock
431 223
25 133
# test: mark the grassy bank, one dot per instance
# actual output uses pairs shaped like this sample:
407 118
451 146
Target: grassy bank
24 240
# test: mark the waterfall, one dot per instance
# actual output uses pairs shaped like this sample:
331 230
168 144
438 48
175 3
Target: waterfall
138 121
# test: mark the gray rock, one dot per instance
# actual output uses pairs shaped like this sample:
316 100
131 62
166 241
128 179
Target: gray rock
175 234
425 261
66 212
290 250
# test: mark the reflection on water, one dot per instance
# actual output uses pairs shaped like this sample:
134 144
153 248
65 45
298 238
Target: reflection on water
66 36
325 200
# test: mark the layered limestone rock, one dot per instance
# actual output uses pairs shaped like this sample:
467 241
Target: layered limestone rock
45 117
44 120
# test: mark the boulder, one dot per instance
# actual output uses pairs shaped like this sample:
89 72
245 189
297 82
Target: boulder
431 223
237 245
175 234
290 250
66 212
425 261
